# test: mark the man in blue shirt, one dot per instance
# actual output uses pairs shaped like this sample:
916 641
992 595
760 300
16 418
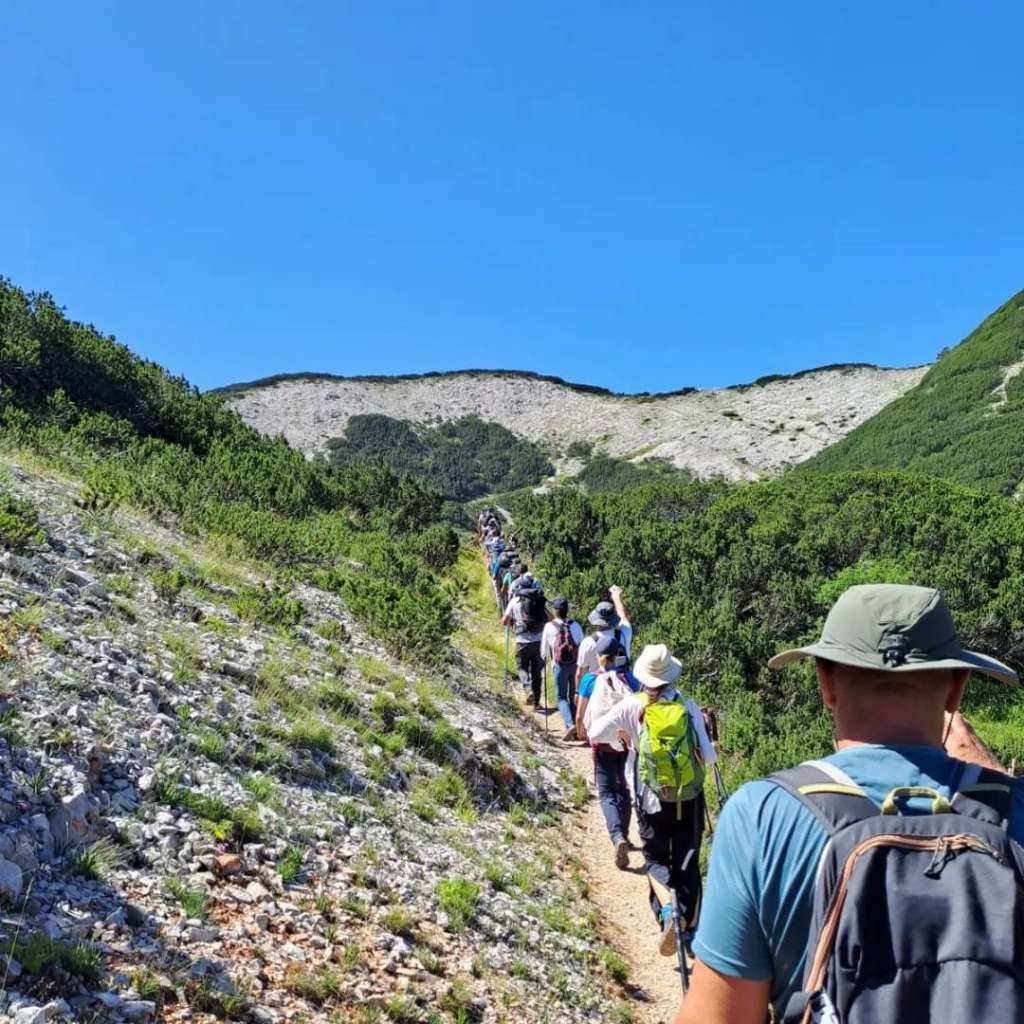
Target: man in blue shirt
892 673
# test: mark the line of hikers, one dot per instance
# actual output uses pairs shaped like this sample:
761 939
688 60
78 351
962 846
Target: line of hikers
883 882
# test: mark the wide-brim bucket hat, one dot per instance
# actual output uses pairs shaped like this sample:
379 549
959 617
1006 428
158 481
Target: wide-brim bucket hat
604 616
890 627
656 666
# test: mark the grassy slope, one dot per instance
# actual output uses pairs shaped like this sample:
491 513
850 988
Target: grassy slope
952 424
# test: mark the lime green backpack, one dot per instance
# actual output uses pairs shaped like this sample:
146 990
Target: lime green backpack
668 757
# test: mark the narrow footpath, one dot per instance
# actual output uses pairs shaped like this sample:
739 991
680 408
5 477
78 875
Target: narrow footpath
620 897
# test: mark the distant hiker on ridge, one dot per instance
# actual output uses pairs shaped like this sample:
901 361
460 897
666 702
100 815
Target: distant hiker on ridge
882 883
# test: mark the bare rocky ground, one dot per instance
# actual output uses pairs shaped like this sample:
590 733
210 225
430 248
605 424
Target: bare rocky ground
739 433
206 815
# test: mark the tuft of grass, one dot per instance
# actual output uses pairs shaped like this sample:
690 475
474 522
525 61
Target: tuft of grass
458 898
448 789
310 733
336 696
146 984
289 866
60 739
400 921
261 787
614 964
431 962
458 1001
38 951
98 860
318 985
205 997
211 744
192 900
579 793
401 1010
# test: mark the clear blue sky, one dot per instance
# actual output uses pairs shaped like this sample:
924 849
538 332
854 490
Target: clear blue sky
644 196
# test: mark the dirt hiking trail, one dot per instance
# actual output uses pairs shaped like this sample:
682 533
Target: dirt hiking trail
620 897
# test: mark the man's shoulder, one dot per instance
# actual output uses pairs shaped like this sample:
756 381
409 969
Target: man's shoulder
764 807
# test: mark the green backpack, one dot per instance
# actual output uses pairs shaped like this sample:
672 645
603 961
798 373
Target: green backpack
668 756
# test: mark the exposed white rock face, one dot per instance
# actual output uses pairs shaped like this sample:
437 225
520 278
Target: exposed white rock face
739 433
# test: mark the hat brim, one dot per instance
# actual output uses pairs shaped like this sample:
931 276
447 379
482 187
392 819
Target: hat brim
972 660
601 622
672 672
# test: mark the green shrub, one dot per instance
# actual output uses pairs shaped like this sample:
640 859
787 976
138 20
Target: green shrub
954 423
268 606
728 575
461 460
138 436
19 523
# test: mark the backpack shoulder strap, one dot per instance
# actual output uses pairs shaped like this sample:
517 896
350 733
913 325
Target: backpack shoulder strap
828 793
985 794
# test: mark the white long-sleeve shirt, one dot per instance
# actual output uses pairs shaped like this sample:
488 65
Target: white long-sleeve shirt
626 716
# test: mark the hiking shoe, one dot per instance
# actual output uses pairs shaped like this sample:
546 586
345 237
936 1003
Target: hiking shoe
529 700
570 735
667 945
622 855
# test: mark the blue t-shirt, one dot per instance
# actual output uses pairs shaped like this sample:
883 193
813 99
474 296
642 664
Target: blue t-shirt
587 680
760 888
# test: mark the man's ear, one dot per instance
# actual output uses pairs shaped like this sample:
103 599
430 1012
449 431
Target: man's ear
957 684
826 684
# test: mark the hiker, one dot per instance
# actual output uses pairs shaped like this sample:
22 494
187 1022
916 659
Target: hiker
599 692
669 749
527 615
560 644
609 619
928 928
498 570
493 547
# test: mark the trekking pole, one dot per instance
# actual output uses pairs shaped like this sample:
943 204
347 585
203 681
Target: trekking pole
545 697
504 674
720 790
681 939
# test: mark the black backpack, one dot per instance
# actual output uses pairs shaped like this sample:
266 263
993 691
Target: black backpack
534 611
621 662
918 918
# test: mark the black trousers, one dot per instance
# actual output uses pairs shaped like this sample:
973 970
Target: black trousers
530 667
671 841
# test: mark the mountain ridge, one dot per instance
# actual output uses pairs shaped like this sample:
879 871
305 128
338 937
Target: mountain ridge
597 389
739 433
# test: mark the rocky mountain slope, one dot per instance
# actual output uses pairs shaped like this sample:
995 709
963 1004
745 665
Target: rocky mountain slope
221 800
738 433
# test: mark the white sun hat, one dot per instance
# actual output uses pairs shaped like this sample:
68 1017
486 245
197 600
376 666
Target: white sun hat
656 667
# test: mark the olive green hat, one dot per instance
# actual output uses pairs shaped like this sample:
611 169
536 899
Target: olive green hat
892 627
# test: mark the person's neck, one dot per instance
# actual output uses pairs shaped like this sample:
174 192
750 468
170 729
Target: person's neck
890 738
